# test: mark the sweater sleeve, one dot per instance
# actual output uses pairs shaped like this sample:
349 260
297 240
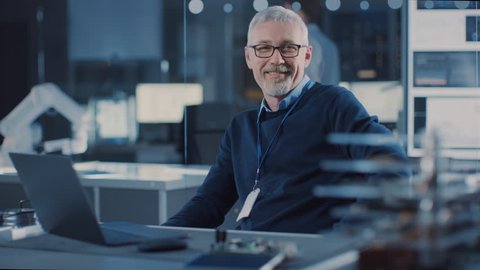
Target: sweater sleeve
214 197
349 116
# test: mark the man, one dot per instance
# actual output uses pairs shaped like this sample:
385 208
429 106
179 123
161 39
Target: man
269 157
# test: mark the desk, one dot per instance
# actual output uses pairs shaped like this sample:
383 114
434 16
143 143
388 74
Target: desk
159 178
315 252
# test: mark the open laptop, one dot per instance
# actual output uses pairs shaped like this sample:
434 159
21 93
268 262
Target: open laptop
53 187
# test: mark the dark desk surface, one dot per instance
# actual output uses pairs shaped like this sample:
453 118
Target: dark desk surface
48 251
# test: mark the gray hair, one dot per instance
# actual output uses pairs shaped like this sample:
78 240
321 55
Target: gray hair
278 14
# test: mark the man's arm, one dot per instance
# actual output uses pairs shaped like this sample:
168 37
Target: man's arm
214 197
349 116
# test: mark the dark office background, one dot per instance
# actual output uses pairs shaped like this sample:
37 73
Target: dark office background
99 48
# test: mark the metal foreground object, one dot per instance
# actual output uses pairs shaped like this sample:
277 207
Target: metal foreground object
418 223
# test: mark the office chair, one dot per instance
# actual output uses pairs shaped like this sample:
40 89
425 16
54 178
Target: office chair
204 126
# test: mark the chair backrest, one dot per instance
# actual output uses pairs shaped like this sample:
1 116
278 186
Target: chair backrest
205 126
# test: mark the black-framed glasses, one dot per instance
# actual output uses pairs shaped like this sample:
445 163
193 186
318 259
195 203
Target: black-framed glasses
286 50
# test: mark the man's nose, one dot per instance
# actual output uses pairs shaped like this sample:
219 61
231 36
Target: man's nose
277 56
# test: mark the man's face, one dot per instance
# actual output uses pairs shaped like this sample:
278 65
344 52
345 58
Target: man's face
277 75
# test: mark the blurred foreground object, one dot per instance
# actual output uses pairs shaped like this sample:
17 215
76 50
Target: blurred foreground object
429 221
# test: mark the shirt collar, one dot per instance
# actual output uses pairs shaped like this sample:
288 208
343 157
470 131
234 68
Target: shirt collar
288 100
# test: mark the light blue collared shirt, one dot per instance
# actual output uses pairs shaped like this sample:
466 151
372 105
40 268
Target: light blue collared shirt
288 100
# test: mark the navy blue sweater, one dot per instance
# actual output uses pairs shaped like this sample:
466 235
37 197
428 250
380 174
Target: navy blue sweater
291 169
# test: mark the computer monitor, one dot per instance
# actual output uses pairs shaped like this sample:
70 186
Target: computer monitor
445 69
114 120
381 98
456 121
165 102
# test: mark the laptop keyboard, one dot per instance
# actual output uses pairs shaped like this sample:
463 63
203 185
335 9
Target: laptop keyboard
124 233
117 238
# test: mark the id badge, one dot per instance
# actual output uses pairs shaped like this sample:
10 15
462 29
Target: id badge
248 205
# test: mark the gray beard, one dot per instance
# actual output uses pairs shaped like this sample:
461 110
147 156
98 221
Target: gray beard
278 88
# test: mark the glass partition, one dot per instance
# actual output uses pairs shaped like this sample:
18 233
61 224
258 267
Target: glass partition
114 46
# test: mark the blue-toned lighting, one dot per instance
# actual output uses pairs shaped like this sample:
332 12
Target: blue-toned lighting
333 5
260 5
296 6
395 4
461 4
228 8
195 6
429 4
364 5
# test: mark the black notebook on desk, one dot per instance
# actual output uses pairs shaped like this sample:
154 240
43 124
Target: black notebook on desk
60 203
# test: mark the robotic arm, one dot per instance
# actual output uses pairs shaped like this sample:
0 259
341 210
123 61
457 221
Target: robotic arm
20 133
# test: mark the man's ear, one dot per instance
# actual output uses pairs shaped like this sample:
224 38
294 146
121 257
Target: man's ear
308 55
248 57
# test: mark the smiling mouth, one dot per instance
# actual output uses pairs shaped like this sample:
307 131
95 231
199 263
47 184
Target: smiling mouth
277 73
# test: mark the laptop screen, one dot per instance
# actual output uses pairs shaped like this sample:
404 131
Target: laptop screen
59 200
